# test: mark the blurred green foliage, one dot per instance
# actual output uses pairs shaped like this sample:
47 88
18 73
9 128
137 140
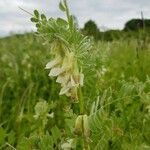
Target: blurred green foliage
133 28
116 91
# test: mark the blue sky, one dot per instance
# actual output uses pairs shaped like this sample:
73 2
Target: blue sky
106 13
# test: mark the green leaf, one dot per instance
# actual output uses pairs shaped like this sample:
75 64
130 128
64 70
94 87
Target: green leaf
34 19
71 22
11 138
24 144
43 17
56 134
62 22
2 136
38 25
62 7
46 142
36 13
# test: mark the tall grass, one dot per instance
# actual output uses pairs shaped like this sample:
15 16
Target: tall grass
116 93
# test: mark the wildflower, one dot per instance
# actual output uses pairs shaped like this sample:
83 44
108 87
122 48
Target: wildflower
53 63
79 125
67 73
82 126
69 144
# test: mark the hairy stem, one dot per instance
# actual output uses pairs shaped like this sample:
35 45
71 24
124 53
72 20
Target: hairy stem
81 101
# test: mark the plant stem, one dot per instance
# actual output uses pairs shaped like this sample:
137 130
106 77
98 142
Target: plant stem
67 10
68 16
81 104
81 101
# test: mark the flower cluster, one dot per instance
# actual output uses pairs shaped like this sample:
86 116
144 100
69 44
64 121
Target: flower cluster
64 67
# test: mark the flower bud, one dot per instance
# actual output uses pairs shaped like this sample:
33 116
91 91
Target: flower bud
79 125
86 126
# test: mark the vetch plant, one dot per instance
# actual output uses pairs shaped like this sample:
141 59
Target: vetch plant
68 47
68 50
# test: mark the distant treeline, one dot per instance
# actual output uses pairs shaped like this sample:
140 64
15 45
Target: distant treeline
137 28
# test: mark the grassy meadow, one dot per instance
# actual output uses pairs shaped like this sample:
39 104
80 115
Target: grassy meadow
116 97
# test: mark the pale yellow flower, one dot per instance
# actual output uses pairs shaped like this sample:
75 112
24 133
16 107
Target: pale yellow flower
67 73
53 63
55 72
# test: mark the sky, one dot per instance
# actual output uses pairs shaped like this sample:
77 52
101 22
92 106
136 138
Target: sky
110 14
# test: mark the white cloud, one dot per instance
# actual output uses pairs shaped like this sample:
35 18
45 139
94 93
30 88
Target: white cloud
110 13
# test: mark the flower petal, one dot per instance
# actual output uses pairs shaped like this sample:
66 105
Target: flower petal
73 82
64 90
63 79
55 72
53 63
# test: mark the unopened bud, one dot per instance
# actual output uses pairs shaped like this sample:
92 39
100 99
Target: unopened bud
78 125
86 126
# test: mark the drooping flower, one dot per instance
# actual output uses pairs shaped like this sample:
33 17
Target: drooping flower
67 72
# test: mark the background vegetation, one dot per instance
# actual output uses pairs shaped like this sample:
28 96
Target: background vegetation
136 28
116 91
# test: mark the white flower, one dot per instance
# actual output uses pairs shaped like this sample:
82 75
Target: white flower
73 83
65 88
63 79
67 73
55 72
68 145
53 63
